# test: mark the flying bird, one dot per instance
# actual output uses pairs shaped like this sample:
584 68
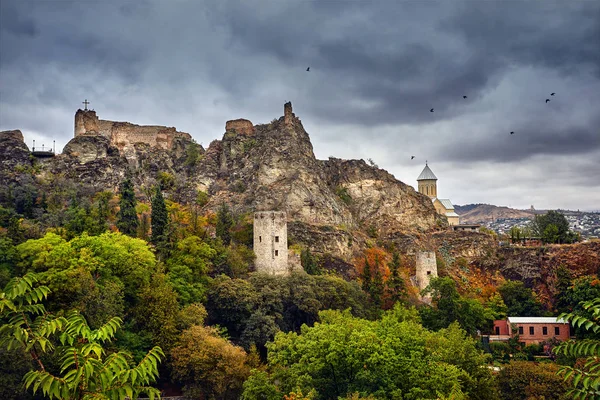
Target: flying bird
464 97
411 157
307 69
552 94
547 100
512 133
431 110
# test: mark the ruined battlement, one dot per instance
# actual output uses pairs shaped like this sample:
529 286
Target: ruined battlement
241 126
289 118
124 135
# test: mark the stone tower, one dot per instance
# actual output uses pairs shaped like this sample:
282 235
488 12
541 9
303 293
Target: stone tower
427 182
270 242
426 268
85 121
288 114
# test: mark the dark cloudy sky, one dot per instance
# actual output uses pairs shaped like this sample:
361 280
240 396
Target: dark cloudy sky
377 67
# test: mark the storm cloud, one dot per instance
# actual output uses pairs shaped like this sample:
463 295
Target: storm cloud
377 68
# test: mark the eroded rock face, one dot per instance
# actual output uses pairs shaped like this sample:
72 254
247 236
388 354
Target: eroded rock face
330 204
379 200
15 134
13 152
89 148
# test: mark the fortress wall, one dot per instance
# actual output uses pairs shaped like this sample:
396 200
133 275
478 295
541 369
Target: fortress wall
105 128
241 126
124 134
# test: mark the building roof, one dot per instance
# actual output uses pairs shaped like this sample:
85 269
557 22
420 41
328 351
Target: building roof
426 174
536 320
447 204
452 214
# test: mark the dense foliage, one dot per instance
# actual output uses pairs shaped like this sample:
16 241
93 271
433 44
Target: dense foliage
123 282
394 357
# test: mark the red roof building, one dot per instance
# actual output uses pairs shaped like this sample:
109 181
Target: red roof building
531 330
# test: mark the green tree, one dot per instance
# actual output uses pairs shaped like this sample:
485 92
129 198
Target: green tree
448 306
188 267
560 233
87 373
72 269
394 357
573 296
551 234
192 155
127 219
395 284
224 224
527 380
157 311
520 300
309 262
160 221
26 323
101 213
585 383
515 234
209 366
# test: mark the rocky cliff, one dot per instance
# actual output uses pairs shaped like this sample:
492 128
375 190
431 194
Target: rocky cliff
330 203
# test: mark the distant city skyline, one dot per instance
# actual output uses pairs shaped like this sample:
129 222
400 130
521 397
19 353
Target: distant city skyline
377 69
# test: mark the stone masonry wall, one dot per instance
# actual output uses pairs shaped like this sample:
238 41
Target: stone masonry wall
124 135
426 268
241 126
270 242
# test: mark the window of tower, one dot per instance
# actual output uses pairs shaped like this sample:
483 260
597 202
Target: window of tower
428 272
276 239
260 239
276 253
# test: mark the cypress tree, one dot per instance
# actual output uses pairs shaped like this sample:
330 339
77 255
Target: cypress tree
366 277
159 220
224 224
378 287
396 285
127 219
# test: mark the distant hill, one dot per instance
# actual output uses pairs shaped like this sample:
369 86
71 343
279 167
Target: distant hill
482 213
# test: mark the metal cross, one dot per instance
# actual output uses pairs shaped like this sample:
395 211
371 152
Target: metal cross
86 104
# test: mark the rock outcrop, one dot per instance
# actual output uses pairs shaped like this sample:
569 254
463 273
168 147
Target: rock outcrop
13 152
330 204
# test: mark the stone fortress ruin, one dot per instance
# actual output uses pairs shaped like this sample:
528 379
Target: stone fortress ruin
245 127
270 242
125 135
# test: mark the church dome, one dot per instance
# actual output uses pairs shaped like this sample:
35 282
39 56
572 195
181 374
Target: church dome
426 174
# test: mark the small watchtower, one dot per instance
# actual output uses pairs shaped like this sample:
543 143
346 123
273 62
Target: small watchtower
270 242
426 268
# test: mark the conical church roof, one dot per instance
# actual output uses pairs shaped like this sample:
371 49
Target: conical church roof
426 174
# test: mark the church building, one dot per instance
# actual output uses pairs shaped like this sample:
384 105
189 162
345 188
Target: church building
428 186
